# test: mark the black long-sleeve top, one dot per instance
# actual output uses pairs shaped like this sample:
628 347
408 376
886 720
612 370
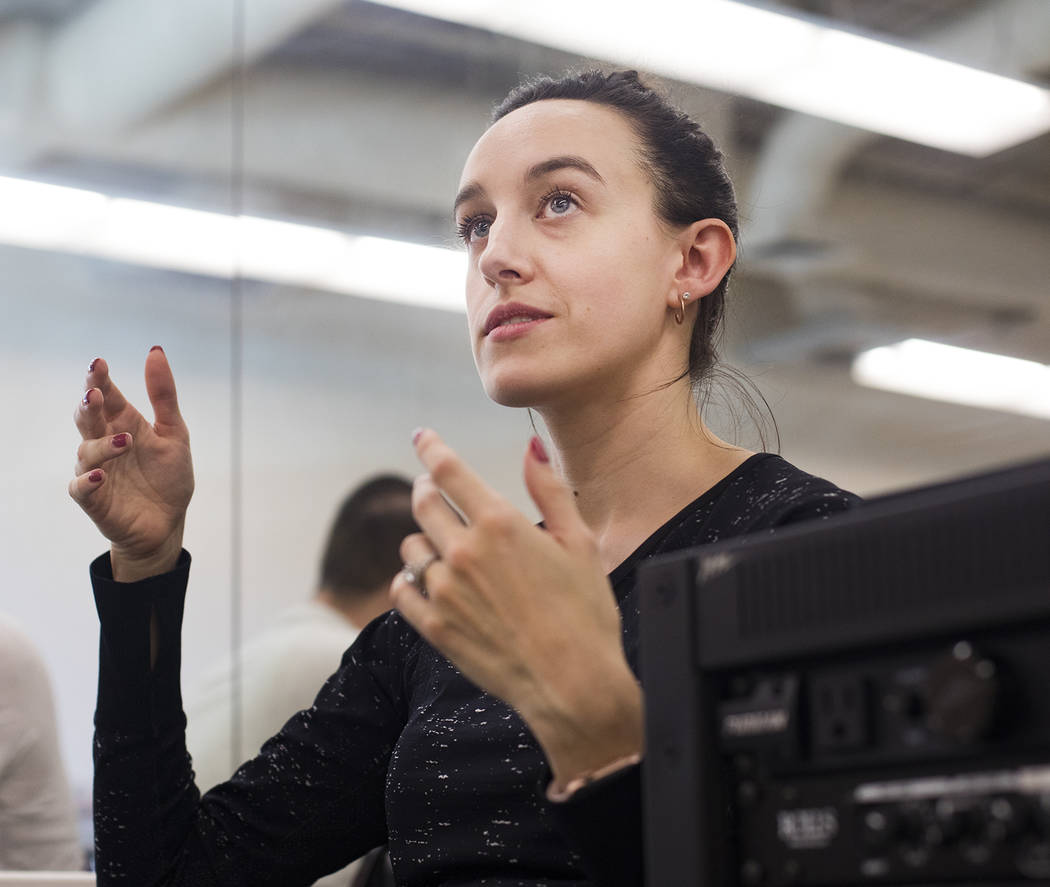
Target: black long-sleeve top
398 747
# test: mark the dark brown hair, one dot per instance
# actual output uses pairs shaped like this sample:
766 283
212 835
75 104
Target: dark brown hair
363 546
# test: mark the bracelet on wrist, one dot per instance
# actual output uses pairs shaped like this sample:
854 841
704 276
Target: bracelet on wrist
559 794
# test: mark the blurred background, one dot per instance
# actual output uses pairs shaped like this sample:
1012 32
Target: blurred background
264 188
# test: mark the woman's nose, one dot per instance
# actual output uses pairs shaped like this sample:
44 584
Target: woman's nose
504 257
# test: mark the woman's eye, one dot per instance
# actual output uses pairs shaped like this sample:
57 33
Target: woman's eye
559 203
473 228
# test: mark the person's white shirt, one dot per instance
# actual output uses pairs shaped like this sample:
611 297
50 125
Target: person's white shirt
281 670
37 819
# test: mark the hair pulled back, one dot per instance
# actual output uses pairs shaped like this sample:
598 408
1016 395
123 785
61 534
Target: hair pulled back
681 161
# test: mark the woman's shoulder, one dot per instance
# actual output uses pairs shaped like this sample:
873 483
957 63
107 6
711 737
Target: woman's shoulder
762 493
767 491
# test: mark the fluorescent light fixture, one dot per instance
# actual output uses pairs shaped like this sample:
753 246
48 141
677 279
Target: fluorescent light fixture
780 59
957 375
52 217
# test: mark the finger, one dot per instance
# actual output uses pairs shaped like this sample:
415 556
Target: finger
94 453
406 599
98 377
436 518
453 476
88 415
96 370
416 548
83 486
552 496
160 387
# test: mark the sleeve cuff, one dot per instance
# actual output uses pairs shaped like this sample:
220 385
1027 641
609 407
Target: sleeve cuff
131 695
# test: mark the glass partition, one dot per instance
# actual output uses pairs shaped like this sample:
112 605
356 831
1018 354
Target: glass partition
115 168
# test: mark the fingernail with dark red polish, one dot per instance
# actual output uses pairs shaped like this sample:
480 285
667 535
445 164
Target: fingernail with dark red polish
120 440
415 435
87 396
91 368
538 450
95 476
157 348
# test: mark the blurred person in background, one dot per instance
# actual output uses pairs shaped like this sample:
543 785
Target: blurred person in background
37 818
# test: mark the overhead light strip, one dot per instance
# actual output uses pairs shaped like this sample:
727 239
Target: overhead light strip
936 371
780 59
53 217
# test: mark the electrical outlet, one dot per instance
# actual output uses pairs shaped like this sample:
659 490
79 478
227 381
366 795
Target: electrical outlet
839 712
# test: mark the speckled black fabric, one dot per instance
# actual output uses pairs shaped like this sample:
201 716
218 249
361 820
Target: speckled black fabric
398 747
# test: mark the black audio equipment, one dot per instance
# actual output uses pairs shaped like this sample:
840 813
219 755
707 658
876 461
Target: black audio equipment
858 701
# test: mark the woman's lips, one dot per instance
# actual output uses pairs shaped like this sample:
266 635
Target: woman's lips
514 329
512 319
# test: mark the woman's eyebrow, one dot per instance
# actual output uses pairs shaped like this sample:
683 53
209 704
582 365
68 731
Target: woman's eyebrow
566 161
473 190
468 192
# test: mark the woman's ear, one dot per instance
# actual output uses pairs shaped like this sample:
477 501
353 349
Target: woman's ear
708 250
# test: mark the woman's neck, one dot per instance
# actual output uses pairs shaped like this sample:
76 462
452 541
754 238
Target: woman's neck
633 464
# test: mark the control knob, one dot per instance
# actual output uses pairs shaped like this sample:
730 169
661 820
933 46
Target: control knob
962 691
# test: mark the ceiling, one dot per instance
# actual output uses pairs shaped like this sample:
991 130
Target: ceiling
358 116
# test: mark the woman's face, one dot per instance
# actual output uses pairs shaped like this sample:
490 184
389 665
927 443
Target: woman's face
570 270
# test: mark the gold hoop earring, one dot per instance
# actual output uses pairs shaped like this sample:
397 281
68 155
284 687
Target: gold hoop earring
679 315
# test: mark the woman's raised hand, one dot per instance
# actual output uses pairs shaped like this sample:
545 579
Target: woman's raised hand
134 479
525 612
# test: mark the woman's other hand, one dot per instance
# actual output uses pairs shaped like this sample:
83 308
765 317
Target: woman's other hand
525 612
134 479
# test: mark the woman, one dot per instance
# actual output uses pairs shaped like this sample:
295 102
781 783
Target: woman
495 717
